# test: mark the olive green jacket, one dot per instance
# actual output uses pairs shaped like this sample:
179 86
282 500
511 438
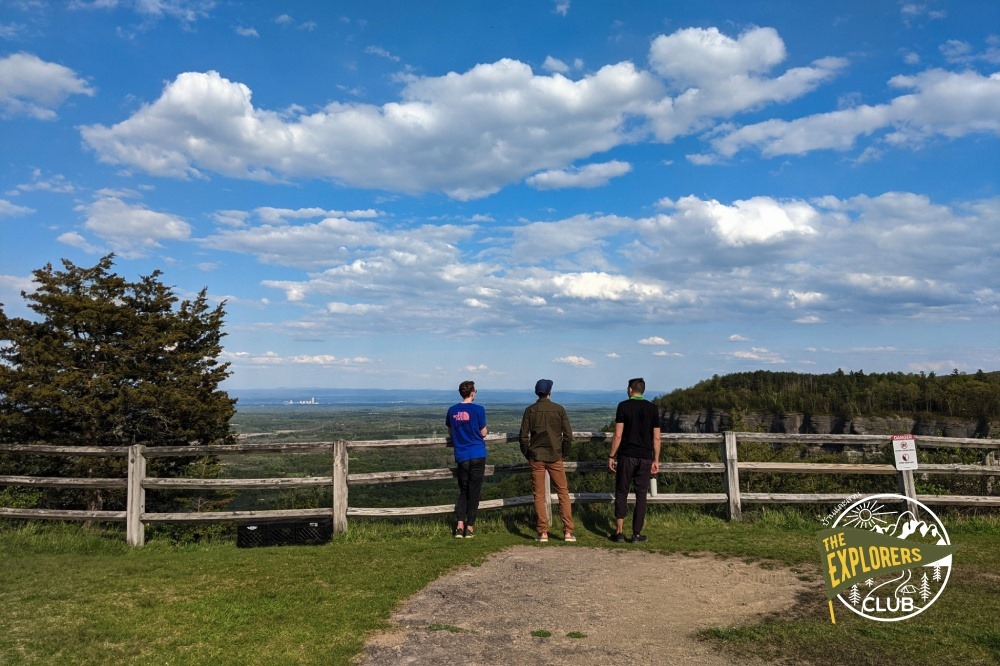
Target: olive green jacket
545 432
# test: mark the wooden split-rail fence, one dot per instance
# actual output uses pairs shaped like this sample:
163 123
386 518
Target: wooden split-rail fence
137 482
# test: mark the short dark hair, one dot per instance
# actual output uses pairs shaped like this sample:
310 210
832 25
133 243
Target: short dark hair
638 385
466 388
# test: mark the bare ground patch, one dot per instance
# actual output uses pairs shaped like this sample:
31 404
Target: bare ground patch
624 606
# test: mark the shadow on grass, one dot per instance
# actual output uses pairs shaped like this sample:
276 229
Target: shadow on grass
520 523
596 519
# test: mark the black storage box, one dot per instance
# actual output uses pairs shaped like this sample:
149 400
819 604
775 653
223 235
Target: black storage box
311 531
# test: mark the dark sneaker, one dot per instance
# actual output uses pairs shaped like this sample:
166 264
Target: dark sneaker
459 534
469 532
618 537
639 538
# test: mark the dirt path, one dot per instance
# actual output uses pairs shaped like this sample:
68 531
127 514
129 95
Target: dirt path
631 606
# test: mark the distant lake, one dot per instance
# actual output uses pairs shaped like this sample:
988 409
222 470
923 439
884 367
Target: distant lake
328 397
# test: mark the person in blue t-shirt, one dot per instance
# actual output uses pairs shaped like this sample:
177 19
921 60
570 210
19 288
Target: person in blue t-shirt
467 429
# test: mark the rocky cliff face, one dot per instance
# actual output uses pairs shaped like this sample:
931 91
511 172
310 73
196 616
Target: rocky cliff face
711 422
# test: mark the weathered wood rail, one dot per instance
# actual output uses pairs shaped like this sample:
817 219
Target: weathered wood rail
137 482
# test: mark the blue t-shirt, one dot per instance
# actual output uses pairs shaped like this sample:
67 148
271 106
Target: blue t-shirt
467 421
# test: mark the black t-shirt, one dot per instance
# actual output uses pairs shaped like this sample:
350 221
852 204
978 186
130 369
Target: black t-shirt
639 417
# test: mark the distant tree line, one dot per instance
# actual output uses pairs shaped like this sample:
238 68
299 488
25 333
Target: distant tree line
843 394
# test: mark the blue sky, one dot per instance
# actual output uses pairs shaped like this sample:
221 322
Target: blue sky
412 194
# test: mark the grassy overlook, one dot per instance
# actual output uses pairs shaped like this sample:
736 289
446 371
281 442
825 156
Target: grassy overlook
82 597
77 597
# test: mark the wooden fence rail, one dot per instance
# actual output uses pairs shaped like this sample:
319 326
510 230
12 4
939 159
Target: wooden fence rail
137 482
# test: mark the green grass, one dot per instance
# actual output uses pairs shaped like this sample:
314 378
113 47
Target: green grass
73 596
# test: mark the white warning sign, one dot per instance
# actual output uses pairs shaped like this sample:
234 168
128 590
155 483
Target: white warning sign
904 448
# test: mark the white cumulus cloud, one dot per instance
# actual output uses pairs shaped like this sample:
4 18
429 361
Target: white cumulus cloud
30 86
937 103
132 229
589 176
337 307
74 239
466 134
8 209
716 76
575 361
895 255
752 221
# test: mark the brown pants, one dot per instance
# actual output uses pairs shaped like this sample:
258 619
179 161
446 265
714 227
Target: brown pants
558 476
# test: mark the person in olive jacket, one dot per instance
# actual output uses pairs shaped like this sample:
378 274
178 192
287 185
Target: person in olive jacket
545 438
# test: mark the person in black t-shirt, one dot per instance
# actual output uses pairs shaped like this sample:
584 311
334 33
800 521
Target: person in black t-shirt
634 457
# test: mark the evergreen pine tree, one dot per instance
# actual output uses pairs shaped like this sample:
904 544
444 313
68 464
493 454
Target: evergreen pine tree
108 362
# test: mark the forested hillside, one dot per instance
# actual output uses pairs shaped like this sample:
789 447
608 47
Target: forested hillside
845 395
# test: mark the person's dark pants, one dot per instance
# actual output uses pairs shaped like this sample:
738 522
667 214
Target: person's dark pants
632 471
470 485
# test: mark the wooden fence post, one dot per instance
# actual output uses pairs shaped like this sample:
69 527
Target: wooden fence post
908 488
731 477
990 459
339 486
135 531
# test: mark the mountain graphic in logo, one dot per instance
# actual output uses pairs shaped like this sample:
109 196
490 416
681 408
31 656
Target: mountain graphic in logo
907 525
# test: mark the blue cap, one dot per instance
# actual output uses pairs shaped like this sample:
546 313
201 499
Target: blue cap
543 387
